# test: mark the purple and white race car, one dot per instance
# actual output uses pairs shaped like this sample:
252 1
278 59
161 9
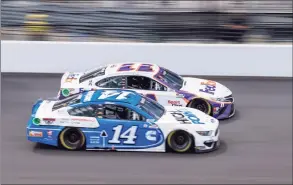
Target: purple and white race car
153 81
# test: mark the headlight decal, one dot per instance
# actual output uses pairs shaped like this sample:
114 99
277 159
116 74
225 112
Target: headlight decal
204 133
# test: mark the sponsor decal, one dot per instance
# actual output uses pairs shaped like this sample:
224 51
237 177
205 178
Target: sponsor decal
63 120
65 92
174 103
179 95
49 121
209 87
150 121
35 134
153 126
216 110
222 105
185 117
81 119
50 133
94 139
151 135
71 77
36 121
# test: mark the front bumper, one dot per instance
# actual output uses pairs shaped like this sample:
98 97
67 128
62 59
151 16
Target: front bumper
224 110
214 145
207 143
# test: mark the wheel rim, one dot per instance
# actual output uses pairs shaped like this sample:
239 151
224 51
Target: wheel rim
72 139
202 107
180 141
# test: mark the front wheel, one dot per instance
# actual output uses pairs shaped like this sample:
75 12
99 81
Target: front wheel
180 141
72 139
201 105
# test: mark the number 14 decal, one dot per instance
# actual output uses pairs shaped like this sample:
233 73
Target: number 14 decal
129 135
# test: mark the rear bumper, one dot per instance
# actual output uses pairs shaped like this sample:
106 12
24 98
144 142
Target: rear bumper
44 134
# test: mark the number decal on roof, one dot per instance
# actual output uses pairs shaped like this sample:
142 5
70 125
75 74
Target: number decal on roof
145 68
126 67
141 67
108 94
89 96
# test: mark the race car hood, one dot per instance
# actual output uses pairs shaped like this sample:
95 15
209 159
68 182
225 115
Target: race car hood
188 116
205 88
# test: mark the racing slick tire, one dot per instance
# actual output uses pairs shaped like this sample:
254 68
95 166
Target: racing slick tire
72 139
180 141
202 105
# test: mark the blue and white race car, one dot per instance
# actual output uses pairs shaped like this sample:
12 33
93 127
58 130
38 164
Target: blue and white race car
158 83
121 120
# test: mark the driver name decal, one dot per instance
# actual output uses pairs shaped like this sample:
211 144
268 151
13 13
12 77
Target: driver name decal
185 117
209 87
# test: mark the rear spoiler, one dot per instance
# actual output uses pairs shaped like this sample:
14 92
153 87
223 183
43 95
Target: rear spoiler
65 75
36 105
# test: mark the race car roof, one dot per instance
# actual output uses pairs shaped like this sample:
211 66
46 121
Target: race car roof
104 95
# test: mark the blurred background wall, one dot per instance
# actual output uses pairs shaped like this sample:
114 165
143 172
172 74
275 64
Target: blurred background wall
239 21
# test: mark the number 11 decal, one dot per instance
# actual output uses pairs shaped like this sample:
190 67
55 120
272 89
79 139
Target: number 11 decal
129 134
141 67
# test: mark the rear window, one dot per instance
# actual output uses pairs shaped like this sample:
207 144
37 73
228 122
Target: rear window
93 73
74 99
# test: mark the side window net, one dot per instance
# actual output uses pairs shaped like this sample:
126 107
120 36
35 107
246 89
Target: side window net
121 113
157 86
111 82
86 111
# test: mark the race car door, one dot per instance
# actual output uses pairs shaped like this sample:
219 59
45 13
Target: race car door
123 128
154 90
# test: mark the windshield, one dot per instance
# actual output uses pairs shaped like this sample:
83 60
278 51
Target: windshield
151 107
93 73
170 78
67 101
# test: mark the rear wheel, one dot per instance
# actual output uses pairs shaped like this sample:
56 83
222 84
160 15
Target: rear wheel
180 141
201 105
72 139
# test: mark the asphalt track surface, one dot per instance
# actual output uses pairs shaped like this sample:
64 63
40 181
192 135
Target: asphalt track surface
256 143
